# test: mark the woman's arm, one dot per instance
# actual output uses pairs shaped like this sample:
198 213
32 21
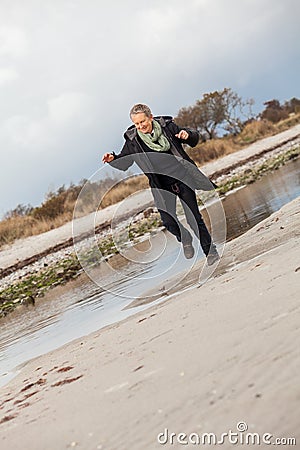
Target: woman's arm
185 135
122 161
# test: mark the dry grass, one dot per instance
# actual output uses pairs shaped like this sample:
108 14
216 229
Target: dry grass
23 226
252 132
18 227
291 121
210 150
123 189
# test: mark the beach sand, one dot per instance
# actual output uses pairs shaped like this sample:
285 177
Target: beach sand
200 362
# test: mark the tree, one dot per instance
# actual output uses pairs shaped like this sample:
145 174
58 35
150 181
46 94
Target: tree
204 116
236 111
211 112
292 105
273 111
189 116
216 110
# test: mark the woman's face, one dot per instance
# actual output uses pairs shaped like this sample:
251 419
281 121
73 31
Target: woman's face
142 122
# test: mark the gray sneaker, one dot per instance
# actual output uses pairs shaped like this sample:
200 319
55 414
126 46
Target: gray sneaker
212 258
188 250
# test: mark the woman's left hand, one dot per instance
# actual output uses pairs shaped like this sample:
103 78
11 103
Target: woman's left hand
182 135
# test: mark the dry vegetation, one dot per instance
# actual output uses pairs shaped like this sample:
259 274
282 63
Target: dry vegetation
252 132
57 209
23 226
123 189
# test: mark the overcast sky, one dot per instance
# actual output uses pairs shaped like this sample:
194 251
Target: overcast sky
70 70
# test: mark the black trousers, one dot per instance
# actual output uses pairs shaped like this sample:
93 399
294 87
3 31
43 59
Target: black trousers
189 202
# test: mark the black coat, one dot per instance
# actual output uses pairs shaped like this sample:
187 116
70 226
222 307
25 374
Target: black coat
133 151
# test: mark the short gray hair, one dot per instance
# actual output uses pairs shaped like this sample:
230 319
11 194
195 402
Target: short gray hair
140 108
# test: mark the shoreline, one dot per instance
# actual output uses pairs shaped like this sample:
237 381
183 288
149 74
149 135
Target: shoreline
201 361
59 264
233 163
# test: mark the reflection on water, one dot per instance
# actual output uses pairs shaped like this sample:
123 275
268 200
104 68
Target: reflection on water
254 203
81 309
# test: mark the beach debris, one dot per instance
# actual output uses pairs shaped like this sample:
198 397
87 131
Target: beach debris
39 382
148 211
16 402
65 369
137 368
66 381
142 320
256 265
145 318
28 301
7 418
24 405
28 386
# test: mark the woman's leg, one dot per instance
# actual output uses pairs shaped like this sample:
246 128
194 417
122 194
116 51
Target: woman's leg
170 219
189 202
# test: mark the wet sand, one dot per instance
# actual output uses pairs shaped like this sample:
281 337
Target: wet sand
199 362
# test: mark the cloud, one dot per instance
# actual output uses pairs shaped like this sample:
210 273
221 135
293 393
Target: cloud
13 42
8 75
69 107
71 70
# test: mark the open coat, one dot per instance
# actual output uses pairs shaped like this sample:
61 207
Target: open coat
133 151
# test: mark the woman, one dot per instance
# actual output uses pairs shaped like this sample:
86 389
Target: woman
155 145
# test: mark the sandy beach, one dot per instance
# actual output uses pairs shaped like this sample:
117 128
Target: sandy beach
150 225
218 357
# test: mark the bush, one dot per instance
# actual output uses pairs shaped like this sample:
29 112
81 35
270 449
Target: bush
255 130
274 112
211 150
50 209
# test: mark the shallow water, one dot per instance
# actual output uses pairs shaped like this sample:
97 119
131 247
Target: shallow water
254 203
83 308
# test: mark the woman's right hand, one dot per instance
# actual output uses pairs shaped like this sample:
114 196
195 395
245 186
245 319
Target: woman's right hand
108 157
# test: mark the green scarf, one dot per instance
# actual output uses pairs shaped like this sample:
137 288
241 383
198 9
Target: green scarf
156 140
